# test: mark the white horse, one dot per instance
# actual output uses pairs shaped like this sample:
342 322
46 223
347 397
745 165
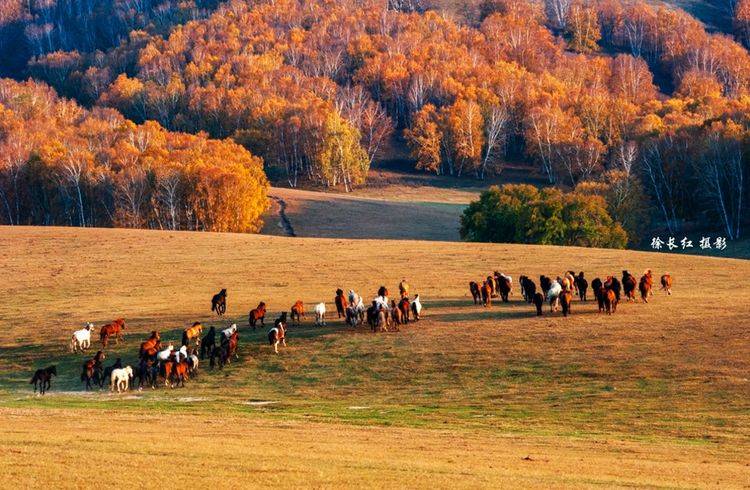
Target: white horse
164 355
181 354
320 314
193 361
81 339
553 295
416 307
119 380
228 332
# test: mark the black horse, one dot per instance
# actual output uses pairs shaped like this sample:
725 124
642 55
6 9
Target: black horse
107 373
43 379
219 302
208 343
146 372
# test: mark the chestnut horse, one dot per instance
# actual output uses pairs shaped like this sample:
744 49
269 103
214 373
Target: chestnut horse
404 307
492 283
43 379
566 298
486 294
341 303
113 329
649 277
180 372
151 346
219 302
192 333
259 313
611 298
396 314
666 283
298 311
475 293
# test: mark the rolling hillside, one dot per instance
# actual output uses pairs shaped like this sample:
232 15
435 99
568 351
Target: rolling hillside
655 395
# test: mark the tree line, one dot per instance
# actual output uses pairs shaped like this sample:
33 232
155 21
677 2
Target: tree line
583 89
61 164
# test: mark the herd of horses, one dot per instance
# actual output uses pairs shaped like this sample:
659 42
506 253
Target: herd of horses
559 292
160 363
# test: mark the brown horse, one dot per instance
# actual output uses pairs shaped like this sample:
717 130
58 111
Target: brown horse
113 329
298 311
666 283
259 313
180 372
644 286
43 379
396 314
649 280
151 346
192 333
475 293
341 303
566 298
610 299
219 302
93 370
404 306
493 286
486 294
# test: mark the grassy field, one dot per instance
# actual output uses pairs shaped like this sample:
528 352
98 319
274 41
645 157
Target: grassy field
656 395
405 214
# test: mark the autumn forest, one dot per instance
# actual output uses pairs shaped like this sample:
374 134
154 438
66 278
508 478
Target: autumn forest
171 114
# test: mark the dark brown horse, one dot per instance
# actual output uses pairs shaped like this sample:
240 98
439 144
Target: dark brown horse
43 379
341 303
208 342
112 330
93 370
504 286
475 293
545 283
528 288
629 284
582 285
598 287
644 286
219 302
538 300
298 311
259 313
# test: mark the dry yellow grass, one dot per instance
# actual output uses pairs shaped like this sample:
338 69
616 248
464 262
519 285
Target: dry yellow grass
114 449
656 395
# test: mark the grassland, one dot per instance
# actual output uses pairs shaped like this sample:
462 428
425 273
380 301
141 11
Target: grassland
656 395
